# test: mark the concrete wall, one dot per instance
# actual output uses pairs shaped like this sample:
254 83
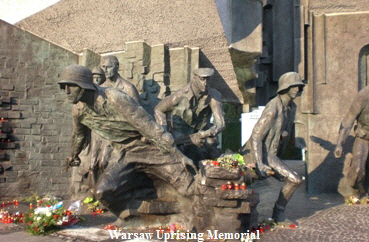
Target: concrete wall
334 44
36 113
105 27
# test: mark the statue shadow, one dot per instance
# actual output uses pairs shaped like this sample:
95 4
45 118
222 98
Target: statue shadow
217 80
150 95
330 172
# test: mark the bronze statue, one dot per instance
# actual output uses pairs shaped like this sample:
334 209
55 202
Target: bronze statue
190 110
269 139
110 66
98 75
359 111
141 148
97 154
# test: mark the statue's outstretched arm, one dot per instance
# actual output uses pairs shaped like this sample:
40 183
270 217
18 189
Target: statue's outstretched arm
347 123
164 106
218 113
79 135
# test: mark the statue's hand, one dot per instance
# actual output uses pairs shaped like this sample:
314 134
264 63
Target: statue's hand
263 171
73 161
198 139
166 143
284 134
338 152
188 162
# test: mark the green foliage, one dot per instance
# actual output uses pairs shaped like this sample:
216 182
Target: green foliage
227 162
231 138
239 158
43 224
33 198
88 200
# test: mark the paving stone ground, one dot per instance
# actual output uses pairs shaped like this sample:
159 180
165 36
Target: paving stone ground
320 218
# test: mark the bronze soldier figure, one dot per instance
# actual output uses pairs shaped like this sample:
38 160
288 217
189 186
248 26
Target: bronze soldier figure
269 139
190 110
98 75
359 111
141 148
110 66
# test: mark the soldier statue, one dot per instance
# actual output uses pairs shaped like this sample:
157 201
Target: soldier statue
359 112
269 139
142 149
190 110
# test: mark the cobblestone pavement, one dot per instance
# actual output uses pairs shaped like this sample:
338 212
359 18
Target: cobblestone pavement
320 218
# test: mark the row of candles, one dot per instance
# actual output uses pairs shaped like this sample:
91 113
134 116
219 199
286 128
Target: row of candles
9 218
99 210
235 186
4 204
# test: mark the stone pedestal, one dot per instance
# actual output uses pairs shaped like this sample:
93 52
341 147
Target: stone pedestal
228 211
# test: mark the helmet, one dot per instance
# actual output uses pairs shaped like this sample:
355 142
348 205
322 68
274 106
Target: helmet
78 75
289 79
97 70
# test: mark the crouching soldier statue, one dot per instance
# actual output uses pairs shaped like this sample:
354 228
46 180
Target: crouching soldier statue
141 147
269 139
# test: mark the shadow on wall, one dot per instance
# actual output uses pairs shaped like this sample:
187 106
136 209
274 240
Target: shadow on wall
333 181
237 20
231 135
217 82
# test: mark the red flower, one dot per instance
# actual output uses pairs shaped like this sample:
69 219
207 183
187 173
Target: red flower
35 228
29 222
55 216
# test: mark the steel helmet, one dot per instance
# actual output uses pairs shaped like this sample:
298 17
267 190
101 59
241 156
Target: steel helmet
78 75
97 70
289 79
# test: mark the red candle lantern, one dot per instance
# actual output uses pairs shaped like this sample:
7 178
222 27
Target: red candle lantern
30 206
224 187
229 185
243 186
236 186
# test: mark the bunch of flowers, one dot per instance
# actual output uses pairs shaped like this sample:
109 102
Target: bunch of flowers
93 206
178 230
356 201
43 220
235 163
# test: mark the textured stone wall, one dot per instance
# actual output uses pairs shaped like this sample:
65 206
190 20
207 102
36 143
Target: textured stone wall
36 114
334 43
176 24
